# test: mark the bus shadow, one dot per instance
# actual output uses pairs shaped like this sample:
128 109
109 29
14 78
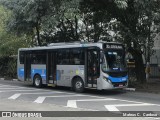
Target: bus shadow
87 91
104 92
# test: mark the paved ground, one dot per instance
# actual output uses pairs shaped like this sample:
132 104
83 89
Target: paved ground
17 96
152 86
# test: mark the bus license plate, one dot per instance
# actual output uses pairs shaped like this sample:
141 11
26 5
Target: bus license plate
120 85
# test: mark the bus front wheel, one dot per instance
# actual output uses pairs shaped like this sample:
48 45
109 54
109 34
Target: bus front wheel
37 81
78 85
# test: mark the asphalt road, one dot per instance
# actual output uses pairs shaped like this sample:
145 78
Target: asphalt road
18 96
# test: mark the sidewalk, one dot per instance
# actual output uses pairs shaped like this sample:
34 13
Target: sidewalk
153 86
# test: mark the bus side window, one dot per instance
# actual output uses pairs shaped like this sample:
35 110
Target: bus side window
77 56
74 56
63 57
38 57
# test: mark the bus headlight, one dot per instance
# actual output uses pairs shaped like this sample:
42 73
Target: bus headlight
106 79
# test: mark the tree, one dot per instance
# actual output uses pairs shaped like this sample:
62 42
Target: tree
134 21
9 43
68 25
97 19
137 26
29 15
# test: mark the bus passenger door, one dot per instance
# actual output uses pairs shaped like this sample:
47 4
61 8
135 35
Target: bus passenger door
27 66
51 67
93 69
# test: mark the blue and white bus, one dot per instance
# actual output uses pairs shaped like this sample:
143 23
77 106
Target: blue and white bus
77 65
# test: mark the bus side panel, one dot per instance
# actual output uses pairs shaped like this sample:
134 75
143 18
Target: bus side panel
20 71
39 69
65 73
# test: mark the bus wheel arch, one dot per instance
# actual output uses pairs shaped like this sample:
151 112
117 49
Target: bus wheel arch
77 84
37 80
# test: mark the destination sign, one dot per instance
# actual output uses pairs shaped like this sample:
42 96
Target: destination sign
113 46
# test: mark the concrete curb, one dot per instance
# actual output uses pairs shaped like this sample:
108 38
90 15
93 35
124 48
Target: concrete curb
1 78
9 79
15 79
130 89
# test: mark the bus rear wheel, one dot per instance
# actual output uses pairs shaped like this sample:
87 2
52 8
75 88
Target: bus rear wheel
37 81
78 85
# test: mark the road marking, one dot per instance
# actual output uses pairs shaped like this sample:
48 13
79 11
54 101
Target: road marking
20 90
1 85
114 107
42 98
152 118
8 86
122 100
156 118
73 103
12 88
15 96
16 87
111 108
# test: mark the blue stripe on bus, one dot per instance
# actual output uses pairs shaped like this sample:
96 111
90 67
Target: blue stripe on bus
21 73
41 72
118 79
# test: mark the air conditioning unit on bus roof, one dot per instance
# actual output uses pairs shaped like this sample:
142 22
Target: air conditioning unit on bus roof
65 43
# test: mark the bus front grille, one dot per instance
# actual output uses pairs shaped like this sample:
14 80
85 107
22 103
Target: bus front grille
117 74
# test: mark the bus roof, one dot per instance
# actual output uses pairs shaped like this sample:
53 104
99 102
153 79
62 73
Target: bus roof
68 45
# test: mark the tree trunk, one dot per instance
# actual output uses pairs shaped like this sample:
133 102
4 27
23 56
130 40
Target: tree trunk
96 37
139 66
76 28
38 35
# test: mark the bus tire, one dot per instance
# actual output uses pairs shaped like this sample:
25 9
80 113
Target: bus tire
78 85
37 81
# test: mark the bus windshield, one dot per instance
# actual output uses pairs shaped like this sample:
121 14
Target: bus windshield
113 60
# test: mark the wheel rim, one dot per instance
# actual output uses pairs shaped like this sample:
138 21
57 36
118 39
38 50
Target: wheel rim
78 85
37 81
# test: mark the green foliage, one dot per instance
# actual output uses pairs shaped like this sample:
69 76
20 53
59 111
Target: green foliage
9 66
30 16
12 67
4 16
132 22
122 4
9 45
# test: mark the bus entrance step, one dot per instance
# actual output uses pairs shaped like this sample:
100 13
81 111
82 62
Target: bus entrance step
91 87
51 85
50 81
